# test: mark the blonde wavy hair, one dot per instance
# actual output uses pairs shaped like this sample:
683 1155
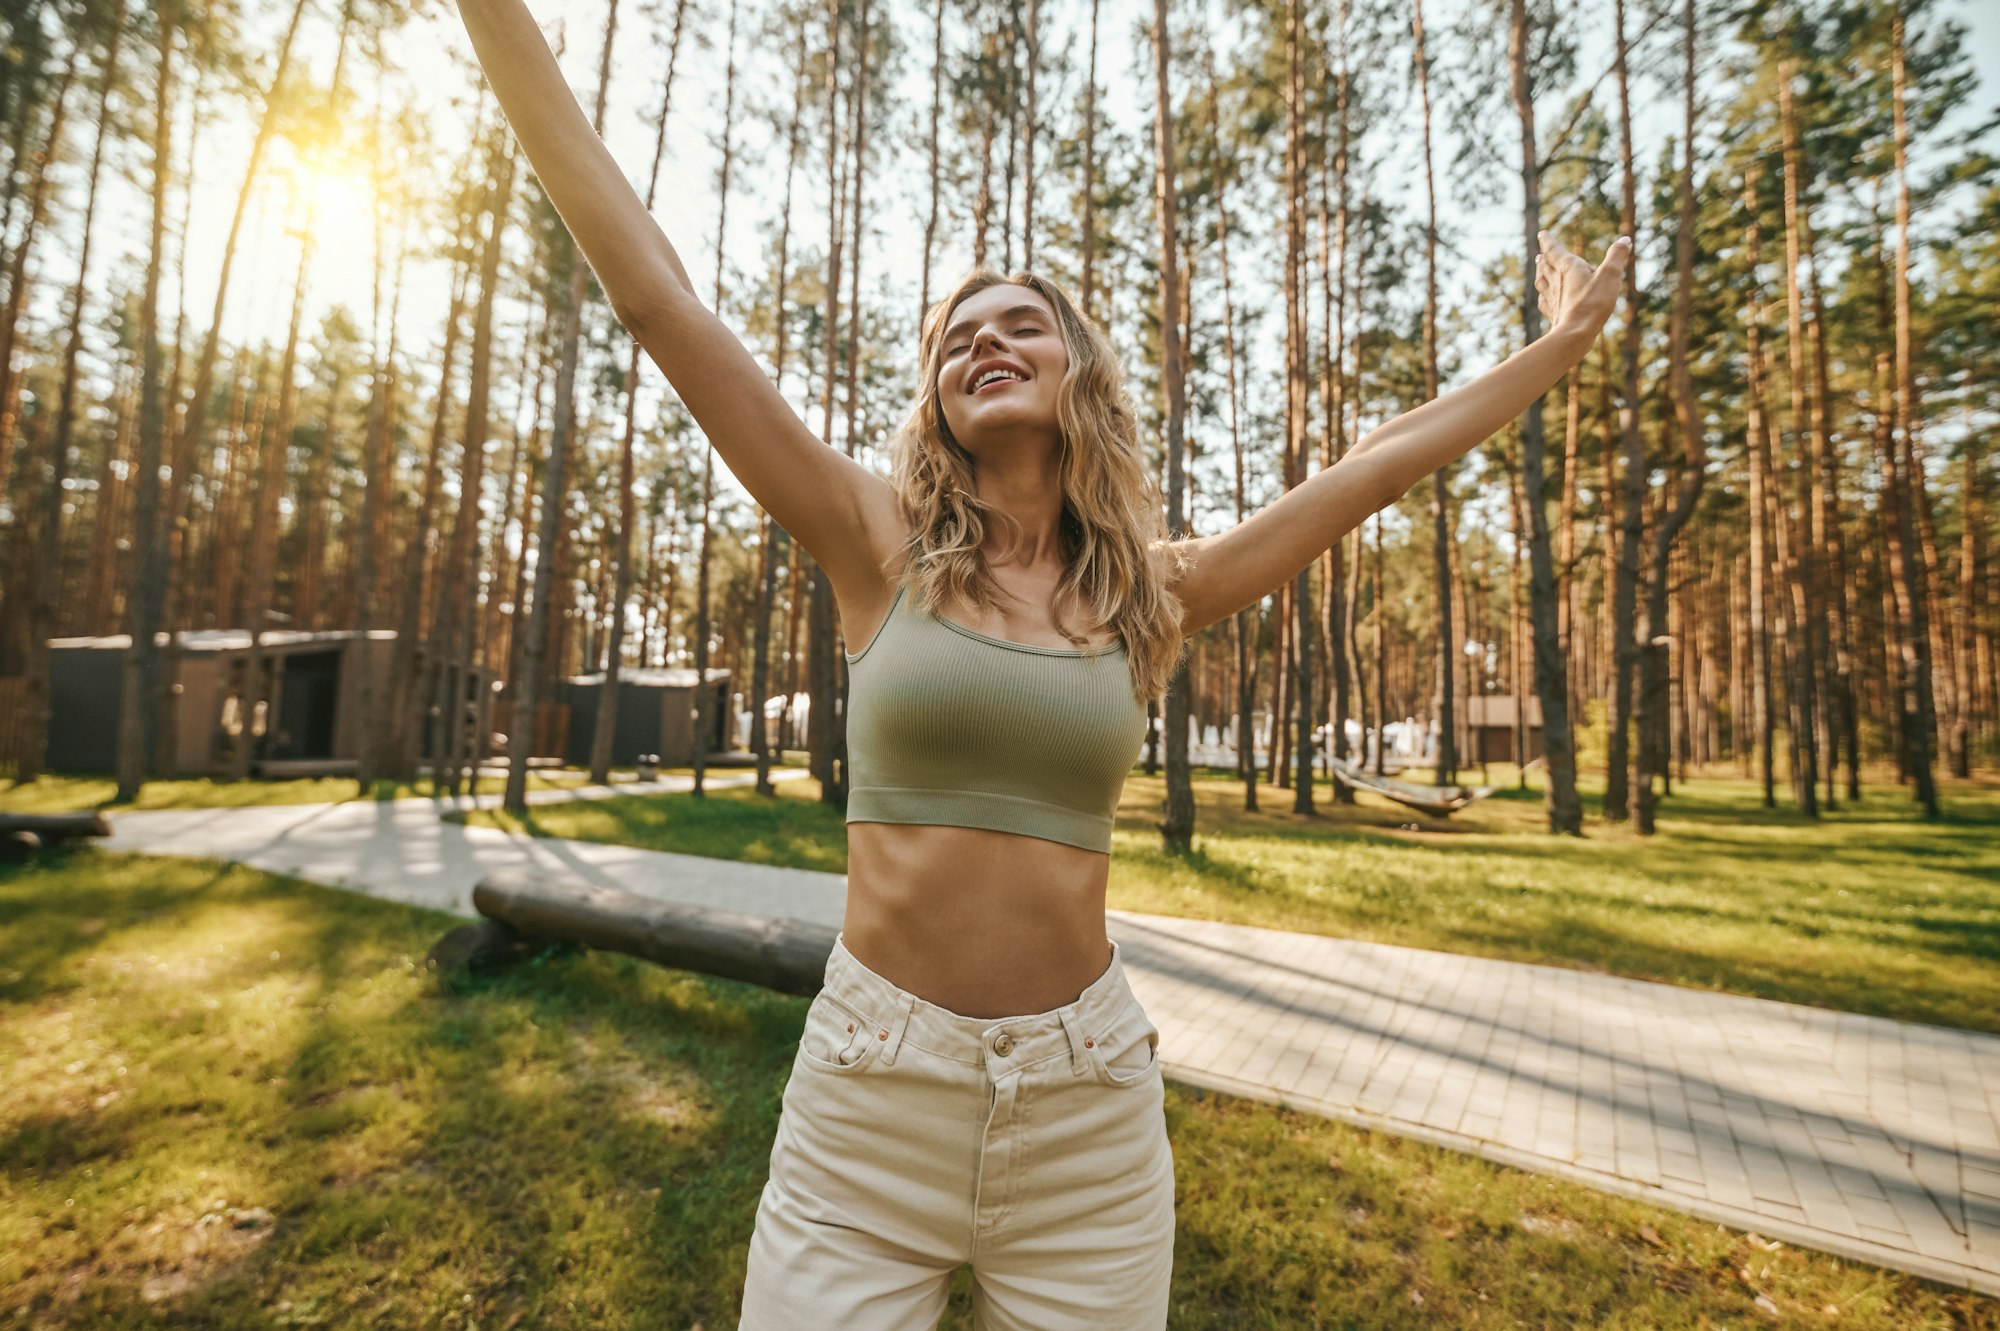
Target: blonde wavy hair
1119 566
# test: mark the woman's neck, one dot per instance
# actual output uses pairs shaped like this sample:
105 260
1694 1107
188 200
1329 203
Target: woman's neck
1030 493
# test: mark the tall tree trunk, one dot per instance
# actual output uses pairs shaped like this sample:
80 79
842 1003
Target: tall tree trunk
1842 706
1757 441
628 516
1010 99
1381 658
857 174
1447 752
821 679
937 120
1297 353
1565 812
1334 291
1654 691
47 583
1033 35
1517 508
1917 646
103 612
1566 557
1177 827
1244 622
547 581
1963 624
1806 598
138 713
459 587
17 283
408 668
1624 607
1089 293
377 478
767 567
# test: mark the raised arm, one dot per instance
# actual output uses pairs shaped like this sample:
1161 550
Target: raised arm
1237 567
842 513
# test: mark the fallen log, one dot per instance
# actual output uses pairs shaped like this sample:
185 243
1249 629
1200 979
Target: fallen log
523 909
22 834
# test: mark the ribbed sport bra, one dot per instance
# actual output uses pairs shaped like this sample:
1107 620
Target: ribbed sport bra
948 726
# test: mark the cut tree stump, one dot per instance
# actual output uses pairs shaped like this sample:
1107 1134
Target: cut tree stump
523 909
22 834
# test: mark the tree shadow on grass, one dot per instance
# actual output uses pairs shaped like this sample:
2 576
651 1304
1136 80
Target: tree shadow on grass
581 1142
70 900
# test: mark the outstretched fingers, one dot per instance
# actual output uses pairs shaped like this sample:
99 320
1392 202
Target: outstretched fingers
1616 258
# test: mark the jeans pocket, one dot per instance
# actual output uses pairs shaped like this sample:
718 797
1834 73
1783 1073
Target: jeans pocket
1128 1053
837 1038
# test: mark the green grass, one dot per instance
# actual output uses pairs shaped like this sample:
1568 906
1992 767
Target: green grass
64 793
791 829
236 1100
1868 910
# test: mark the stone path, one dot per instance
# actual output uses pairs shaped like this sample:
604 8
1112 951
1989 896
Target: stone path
1874 1139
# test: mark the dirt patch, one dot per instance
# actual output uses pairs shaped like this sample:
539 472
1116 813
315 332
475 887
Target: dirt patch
164 1259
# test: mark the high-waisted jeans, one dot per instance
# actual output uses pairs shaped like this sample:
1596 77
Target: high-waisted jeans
914 1140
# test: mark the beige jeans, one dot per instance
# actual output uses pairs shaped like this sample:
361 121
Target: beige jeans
914 1140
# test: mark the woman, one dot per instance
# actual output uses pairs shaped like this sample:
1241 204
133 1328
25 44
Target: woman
976 1082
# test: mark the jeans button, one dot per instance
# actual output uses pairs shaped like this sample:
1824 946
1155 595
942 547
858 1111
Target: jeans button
1003 1044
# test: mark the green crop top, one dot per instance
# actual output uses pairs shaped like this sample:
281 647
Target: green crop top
948 726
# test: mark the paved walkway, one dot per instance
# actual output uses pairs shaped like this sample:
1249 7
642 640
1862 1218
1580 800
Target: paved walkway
1875 1139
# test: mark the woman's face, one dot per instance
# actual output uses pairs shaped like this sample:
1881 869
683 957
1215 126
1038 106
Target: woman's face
1002 362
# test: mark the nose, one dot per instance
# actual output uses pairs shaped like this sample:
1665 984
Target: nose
985 337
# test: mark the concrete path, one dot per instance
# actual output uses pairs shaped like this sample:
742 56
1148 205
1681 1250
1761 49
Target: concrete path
1874 1139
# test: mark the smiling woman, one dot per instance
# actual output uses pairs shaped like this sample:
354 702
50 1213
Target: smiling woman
1020 603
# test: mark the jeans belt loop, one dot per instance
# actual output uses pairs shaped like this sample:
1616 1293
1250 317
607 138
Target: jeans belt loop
1072 1022
897 1024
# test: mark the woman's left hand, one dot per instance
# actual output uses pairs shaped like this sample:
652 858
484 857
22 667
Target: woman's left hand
1574 296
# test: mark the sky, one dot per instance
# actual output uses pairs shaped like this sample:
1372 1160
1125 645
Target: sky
435 59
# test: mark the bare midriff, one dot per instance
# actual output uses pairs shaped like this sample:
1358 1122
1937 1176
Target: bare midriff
981 923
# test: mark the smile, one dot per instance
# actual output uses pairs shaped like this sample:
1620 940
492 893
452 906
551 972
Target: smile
992 377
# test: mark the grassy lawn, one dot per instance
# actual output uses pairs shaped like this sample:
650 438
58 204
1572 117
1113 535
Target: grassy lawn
236 1100
62 793
1868 910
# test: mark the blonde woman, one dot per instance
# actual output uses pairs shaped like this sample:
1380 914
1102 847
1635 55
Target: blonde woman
976 1082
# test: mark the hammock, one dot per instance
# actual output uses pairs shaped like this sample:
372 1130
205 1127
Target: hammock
1443 801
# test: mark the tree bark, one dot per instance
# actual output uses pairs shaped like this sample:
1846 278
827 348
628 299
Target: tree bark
1917 646
1565 812
937 120
1632 449
1447 754
47 582
1654 681
1244 623
138 715
1804 689
1758 448
628 517
1177 827
1089 292
1334 290
547 580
